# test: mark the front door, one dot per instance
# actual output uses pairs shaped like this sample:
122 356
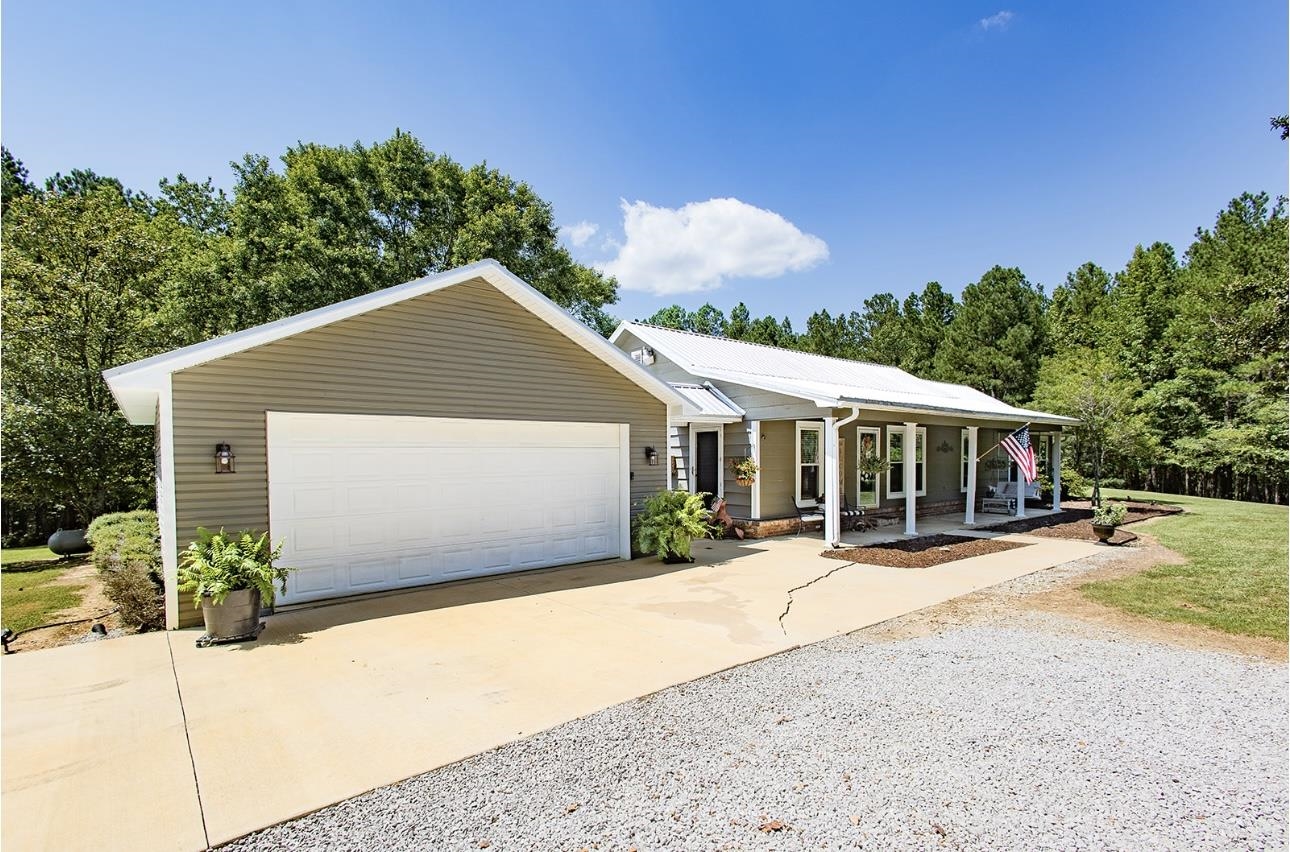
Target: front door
707 466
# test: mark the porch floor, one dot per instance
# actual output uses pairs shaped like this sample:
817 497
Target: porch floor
938 525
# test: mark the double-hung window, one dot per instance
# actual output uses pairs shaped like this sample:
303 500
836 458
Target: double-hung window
869 446
810 461
965 459
896 455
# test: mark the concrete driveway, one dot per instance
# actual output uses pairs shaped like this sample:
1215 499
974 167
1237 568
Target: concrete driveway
147 742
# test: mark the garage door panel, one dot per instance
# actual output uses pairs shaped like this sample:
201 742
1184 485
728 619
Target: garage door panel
367 503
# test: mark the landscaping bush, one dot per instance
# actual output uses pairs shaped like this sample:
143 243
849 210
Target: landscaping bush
1075 484
127 553
671 520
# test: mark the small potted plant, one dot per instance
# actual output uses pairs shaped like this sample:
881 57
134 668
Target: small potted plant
670 522
231 576
745 471
1106 518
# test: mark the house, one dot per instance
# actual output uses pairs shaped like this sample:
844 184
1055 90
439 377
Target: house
455 426
805 420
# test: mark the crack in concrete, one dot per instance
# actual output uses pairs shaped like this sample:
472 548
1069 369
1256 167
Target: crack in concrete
789 605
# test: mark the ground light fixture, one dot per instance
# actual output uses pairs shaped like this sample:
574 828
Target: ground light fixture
651 456
224 459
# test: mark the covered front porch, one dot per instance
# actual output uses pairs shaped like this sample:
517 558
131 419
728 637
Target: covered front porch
917 475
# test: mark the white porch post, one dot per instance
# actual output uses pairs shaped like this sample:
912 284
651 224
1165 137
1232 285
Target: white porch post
754 452
832 503
969 508
1057 471
1021 493
907 456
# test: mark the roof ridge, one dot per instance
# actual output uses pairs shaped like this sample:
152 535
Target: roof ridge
769 346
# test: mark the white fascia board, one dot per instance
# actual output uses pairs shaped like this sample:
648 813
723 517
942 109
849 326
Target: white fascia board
136 386
1020 416
705 419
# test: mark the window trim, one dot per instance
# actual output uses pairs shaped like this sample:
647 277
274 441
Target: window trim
876 431
804 426
920 434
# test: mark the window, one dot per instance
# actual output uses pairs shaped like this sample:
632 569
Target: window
810 460
896 455
964 458
869 440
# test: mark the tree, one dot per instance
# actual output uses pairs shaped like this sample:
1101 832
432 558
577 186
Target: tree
881 330
1281 123
13 179
80 295
673 316
740 323
1091 386
708 320
997 338
342 221
925 318
1077 314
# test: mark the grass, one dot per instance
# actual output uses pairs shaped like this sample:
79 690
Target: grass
30 597
19 555
1235 577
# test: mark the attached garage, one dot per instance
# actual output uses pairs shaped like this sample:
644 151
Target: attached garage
369 503
457 426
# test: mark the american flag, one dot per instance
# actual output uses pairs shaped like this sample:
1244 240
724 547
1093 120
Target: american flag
1017 445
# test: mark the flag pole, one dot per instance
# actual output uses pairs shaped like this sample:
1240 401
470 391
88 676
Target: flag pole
997 443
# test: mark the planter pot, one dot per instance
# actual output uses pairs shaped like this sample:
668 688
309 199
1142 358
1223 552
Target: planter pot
677 559
1104 532
68 542
238 616
745 481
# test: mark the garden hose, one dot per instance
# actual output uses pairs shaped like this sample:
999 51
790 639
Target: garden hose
11 636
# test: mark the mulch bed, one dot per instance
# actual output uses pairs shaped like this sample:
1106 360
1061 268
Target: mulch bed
1076 522
922 552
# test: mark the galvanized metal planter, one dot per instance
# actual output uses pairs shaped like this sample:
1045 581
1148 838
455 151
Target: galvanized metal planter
235 620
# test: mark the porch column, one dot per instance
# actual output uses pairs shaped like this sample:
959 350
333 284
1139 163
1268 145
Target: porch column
1057 471
754 452
1021 493
832 502
969 510
907 450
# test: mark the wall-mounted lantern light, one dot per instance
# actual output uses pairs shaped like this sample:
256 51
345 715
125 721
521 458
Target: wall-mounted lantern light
224 459
651 456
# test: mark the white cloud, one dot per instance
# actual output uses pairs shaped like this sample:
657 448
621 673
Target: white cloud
700 245
580 232
997 21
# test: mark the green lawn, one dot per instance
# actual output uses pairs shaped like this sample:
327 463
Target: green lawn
29 597
18 555
1235 578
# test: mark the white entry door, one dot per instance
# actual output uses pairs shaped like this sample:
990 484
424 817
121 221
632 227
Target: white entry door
369 503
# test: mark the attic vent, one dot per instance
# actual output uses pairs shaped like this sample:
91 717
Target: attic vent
644 356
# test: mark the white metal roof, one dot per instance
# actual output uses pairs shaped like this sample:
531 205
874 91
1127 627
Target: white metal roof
137 386
706 404
826 381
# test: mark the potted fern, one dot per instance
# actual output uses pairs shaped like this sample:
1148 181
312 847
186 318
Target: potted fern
1106 518
671 521
231 576
745 471
870 463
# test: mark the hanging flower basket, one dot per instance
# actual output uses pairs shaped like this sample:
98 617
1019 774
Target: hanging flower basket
869 463
745 471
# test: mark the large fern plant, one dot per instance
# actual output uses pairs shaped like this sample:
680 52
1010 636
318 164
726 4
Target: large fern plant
217 564
671 521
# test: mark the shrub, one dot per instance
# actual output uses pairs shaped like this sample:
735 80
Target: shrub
217 563
670 522
126 549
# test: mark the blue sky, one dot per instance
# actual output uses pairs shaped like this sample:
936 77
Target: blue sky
869 147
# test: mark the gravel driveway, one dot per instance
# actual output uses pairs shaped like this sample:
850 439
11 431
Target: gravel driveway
1024 732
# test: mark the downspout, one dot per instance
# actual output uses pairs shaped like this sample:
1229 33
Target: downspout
833 522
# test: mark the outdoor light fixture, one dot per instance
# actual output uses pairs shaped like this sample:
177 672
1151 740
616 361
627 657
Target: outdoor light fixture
651 456
224 459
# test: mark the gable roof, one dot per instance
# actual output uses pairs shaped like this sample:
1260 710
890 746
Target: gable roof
707 404
826 381
138 385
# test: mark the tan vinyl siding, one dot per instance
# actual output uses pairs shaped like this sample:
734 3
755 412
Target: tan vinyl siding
738 497
468 351
778 468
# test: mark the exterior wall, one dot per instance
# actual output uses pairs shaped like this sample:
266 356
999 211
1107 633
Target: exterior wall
665 369
678 451
778 476
737 446
468 351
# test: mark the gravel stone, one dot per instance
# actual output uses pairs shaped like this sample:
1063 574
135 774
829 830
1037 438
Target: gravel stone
1020 733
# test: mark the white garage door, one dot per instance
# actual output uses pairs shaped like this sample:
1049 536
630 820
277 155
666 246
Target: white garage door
370 503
